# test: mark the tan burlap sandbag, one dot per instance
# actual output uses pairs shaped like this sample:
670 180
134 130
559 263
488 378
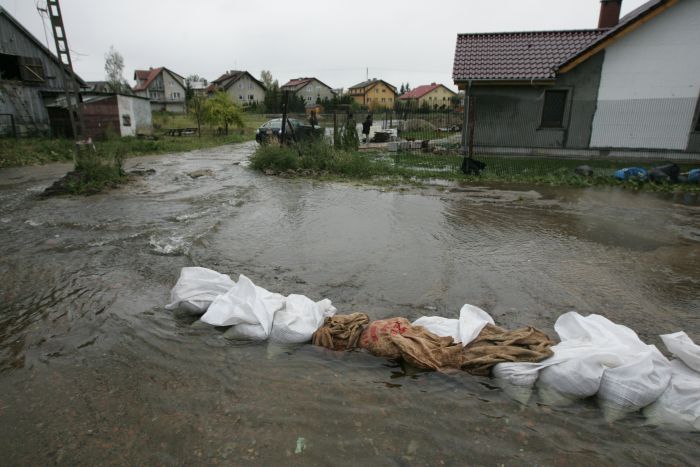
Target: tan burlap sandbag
397 338
496 345
340 332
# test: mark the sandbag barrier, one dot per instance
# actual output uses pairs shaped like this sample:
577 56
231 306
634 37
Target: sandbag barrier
594 357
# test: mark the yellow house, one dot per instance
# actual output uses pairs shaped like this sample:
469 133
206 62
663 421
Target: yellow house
434 96
373 93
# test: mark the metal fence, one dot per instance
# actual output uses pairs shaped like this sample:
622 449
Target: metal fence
522 134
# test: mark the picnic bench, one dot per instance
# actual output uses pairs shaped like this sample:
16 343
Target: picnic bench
180 131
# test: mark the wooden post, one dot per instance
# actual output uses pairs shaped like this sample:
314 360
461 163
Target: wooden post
285 103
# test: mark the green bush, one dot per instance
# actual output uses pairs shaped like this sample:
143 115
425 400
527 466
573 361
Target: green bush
275 157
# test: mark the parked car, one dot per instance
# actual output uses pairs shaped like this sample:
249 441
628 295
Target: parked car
272 128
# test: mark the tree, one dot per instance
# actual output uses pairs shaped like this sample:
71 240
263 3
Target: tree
273 95
196 108
273 100
189 91
266 78
402 89
220 110
114 68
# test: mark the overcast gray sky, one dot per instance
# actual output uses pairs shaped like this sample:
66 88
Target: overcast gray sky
398 40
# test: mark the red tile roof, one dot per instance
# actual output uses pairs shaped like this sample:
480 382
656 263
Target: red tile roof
294 84
147 75
421 91
517 55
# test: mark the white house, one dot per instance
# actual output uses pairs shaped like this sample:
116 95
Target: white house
163 87
650 79
243 88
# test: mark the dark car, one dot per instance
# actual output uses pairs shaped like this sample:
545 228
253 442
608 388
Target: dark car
272 129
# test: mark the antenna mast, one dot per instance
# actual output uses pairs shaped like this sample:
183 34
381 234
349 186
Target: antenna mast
69 79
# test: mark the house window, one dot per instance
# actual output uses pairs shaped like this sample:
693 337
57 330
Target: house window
9 67
240 98
126 120
250 86
240 85
251 97
376 91
553 109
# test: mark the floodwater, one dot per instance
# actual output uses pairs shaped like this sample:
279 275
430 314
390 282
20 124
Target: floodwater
94 370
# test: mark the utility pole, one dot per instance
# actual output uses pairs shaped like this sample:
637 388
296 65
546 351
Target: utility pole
69 80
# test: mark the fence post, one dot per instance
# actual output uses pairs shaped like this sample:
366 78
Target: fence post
472 125
285 102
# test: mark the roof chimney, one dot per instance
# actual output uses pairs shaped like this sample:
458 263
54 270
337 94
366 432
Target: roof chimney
609 13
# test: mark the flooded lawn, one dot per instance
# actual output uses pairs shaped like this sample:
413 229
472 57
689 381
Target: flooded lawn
93 369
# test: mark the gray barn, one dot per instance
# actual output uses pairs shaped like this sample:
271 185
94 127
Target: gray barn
30 77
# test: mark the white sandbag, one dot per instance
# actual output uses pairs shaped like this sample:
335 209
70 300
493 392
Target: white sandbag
248 308
682 346
597 356
197 288
521 374
440 326
678 408
299 319
634 384
465 329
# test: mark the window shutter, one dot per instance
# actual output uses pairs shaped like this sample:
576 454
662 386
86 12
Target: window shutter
32 70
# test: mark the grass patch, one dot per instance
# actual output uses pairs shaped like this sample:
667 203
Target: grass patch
320 160
35 151
94 171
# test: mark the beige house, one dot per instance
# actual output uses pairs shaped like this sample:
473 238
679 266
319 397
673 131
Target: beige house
163 87
241 86
310 89
434 96
373 93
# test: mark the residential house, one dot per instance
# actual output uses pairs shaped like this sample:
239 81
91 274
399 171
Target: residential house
243 88
629 86
31 77
373 93
312 90
163 87
432 96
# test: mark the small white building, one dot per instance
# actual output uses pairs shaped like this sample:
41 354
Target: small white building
116 114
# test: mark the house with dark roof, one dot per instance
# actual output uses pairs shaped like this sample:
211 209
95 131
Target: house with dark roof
163 87
243 88
32 78
312 90
631 85
373 93
431 96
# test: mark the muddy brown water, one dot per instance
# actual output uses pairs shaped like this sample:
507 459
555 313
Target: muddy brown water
93 369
